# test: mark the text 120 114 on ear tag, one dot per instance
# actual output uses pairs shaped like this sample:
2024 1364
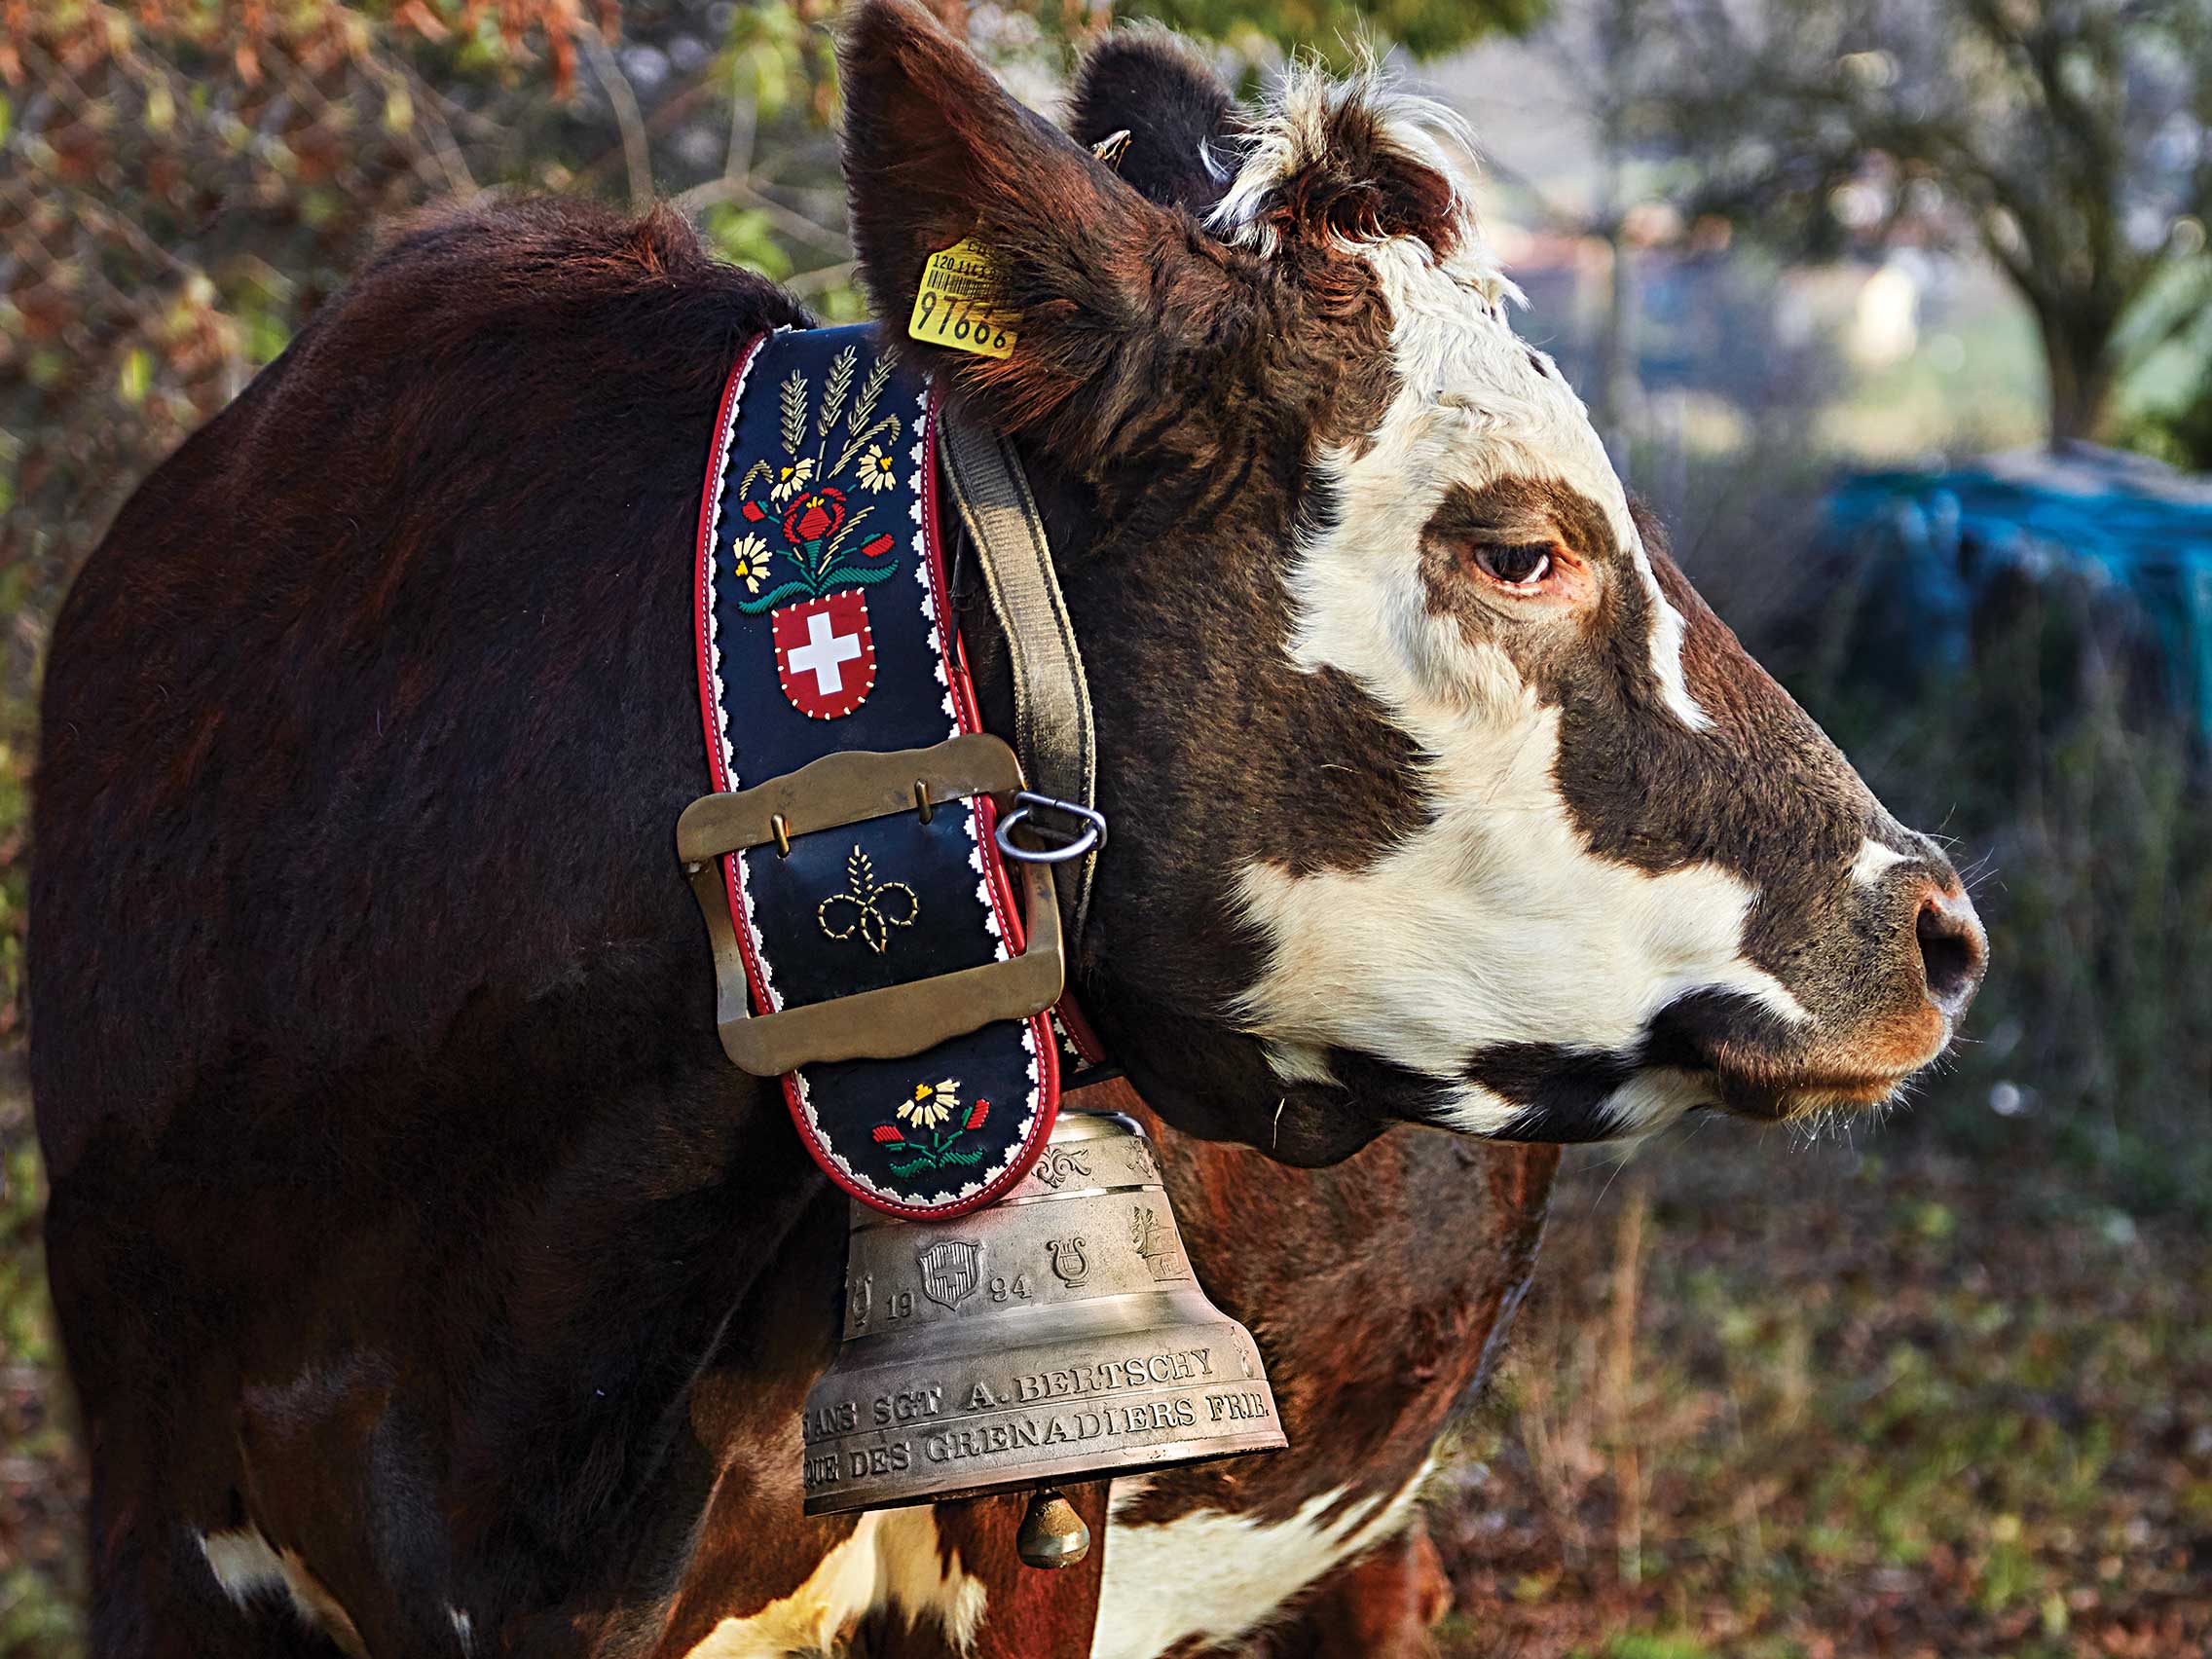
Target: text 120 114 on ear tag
954 306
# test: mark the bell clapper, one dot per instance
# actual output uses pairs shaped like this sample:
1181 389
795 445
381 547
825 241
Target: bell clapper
1052 1535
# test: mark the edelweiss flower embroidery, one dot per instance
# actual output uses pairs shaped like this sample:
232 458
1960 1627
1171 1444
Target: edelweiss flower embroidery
751 558
878 471
932 1104
791 478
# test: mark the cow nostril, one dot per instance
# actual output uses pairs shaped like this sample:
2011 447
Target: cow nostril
1952 954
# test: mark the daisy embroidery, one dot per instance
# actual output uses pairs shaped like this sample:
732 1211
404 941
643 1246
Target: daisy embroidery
878 471
751 557
791 478
926 1143
933 1104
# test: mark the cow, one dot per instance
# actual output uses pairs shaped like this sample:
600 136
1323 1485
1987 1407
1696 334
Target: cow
431 1282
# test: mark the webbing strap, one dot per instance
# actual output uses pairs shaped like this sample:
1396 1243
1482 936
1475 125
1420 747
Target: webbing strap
1053 725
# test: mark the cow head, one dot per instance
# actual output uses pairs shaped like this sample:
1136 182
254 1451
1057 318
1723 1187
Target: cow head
1437 792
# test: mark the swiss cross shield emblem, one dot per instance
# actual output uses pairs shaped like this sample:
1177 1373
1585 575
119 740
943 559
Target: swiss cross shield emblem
950 1270
825 653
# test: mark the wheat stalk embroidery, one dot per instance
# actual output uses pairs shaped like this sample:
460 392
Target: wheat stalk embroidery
834 388
871 389
863 425
811 504
795 413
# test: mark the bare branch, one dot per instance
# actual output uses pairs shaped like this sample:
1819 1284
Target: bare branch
627 116
715 191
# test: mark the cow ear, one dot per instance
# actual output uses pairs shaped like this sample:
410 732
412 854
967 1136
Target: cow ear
1113 301
1152 85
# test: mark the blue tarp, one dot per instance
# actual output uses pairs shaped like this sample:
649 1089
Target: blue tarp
2138 530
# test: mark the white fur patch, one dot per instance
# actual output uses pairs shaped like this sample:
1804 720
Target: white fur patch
1453 347
1493 923
1217 1576
249 1567
890 1561
1292 133
1457 352
1656 1097
1873 862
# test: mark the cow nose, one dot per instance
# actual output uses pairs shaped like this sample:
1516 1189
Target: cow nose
1953 950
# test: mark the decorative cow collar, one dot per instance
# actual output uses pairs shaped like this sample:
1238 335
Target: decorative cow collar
868 945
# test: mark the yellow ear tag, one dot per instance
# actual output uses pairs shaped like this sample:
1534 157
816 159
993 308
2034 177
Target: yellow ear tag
953 307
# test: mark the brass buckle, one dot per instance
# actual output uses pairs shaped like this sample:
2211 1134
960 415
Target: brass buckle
893 1021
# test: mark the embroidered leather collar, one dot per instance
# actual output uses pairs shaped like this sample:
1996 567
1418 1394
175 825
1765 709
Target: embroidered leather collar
867 945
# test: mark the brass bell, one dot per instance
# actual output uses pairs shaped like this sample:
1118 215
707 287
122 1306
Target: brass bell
1057 1335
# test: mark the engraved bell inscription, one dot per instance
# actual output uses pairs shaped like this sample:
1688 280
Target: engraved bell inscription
1057 1335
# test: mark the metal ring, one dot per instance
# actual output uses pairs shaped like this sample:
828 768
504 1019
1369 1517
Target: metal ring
1092 837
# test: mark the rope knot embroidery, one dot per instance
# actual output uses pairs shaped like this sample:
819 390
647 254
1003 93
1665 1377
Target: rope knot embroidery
868 907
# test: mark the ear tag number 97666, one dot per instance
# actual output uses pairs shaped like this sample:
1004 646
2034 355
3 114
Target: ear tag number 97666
953 305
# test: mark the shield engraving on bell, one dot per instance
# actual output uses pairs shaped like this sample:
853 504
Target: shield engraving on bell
950 1270
1063 1338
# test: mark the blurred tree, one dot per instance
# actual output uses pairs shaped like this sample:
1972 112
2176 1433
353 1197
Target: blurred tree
2068 137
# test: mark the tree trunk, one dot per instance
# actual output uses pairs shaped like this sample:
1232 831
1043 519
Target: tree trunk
1620 395
2076 353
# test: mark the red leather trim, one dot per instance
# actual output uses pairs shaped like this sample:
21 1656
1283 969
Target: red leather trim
702 564
1080 1030
954 653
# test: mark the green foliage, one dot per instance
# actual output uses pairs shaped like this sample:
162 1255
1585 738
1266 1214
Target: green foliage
1426 28
1633 1645
744 236
41 1487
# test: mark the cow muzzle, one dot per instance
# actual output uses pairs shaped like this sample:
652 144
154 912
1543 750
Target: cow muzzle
1954 948
1923 957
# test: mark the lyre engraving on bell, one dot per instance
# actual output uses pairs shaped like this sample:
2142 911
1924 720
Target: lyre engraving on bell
1057 1335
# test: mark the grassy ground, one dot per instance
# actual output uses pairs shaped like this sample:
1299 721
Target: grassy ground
1774 1400
1768 1399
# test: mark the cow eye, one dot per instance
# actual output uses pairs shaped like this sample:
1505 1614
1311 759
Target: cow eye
1520 564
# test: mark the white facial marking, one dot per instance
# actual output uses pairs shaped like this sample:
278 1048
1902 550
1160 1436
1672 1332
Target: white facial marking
463 1627
1473 405
1491 923
1494 923
247 1566
891 1561
1216 1577
1873 863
